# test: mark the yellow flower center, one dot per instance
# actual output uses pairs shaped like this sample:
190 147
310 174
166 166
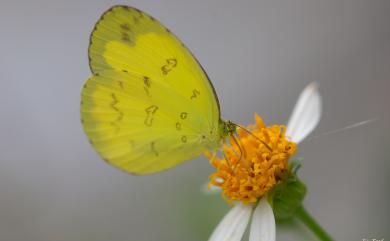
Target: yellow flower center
253 163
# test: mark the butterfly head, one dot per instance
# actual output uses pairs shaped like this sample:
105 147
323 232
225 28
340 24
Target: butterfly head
227 128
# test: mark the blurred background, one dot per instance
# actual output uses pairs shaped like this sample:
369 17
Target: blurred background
259 56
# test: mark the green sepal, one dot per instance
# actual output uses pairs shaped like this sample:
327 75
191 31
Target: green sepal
287 196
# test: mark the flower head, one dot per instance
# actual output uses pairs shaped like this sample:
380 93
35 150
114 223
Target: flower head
254 163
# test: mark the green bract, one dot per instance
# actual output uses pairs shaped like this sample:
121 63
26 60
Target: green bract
288 195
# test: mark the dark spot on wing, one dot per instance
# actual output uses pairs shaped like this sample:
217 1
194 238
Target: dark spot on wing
183 115
169 66
150 112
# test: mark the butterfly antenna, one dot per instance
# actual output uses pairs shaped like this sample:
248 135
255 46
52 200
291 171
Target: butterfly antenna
250 133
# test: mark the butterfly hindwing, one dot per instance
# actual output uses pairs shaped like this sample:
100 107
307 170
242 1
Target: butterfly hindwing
133 127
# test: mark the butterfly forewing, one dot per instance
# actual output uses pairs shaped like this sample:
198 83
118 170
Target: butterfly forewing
149 105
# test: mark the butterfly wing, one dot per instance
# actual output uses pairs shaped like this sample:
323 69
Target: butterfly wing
149 105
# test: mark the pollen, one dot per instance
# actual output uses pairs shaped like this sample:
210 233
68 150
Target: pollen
253 162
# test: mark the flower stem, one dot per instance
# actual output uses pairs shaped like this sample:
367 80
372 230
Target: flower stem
311 223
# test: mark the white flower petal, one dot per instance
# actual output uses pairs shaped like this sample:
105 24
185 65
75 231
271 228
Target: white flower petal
206 189
306 114
263 223
233 225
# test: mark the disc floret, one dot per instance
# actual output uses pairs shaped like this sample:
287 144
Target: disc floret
253 162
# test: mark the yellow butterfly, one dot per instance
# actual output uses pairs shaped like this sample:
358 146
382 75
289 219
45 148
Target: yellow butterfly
148 105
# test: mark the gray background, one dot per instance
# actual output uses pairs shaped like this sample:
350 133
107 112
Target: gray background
259 55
